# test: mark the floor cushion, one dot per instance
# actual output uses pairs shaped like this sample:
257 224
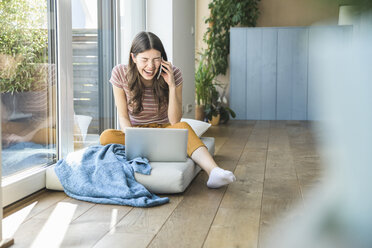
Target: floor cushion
166 177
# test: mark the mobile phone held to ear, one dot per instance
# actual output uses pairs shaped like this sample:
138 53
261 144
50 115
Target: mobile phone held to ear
159 72
160 69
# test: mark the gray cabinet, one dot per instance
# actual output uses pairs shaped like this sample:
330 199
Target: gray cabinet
274 72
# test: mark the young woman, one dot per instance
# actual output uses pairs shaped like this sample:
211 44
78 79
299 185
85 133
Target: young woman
148 93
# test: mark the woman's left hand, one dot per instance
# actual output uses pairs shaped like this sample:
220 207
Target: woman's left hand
167 73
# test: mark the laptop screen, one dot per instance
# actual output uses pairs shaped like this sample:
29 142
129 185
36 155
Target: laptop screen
156 144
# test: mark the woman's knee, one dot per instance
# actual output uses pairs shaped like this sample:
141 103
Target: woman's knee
182 125
110 136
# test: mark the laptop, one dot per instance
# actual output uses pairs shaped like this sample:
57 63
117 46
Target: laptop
156 144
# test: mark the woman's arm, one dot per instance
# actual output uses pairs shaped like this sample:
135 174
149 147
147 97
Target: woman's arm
122 106
175 93
175 104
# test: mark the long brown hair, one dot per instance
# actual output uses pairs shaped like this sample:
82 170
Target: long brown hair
142 42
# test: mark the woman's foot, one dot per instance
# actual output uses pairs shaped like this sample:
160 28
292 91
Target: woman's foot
220 177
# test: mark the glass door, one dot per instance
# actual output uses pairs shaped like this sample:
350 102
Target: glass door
56 59
93 60
27 85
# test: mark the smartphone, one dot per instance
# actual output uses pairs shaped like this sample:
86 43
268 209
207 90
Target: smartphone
159 72
160 69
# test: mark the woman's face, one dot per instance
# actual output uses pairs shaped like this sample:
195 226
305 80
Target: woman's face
148 63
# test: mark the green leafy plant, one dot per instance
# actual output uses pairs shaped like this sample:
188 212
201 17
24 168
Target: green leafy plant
225 14
23 45
218 107
204 77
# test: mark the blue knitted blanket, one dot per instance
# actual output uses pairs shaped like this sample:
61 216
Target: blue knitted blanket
102 174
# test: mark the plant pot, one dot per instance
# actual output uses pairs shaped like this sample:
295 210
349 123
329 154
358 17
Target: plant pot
199 112
215 120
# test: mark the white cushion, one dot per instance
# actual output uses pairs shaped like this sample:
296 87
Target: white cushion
200 127
51 179
166 177
172 177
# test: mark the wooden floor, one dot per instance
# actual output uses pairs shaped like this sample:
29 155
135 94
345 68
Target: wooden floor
275 162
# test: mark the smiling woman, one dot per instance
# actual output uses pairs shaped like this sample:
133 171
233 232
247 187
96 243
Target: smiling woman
148 62
144 100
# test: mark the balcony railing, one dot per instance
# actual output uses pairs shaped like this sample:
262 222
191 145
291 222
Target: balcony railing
85 75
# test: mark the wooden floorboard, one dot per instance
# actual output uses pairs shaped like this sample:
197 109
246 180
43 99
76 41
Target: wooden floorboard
276 164
140 226
48 228
99 220
281 191
190 222
237 220
36 203
305 155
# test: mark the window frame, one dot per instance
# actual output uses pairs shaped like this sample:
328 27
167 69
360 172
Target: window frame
25 183
28 182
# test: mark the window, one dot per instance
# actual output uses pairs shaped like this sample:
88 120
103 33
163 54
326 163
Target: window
55 63
93 60
28 86
85 72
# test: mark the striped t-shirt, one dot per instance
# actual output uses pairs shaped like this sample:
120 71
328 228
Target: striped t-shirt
150 112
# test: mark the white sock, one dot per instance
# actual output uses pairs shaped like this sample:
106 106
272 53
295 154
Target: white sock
220 177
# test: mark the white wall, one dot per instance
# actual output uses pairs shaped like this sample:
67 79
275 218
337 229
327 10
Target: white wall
173 21
184 49
132 21
159 21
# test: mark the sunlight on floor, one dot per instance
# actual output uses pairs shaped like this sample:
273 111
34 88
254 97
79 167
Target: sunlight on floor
54 230
114 219
15 220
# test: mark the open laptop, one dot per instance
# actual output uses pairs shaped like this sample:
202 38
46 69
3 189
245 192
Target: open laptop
156 144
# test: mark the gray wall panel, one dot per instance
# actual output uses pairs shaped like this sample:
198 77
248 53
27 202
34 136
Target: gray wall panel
314 74
285 73
280 78
238 72
253 71
292 74
268 74
299 78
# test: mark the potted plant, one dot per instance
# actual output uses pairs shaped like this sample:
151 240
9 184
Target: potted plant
204 77
212 108
217 111
224 14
